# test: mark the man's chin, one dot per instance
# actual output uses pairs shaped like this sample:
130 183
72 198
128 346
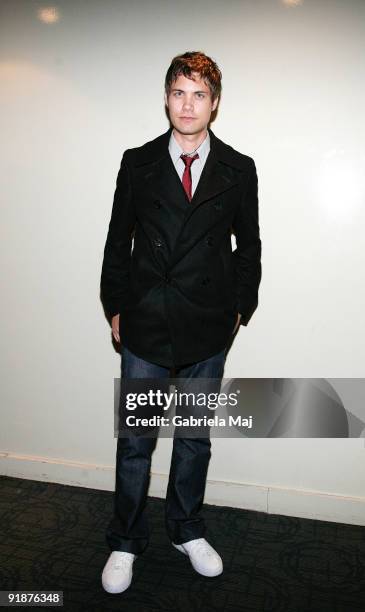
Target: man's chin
188 130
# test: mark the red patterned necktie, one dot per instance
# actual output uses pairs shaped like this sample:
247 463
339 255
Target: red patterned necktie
186 179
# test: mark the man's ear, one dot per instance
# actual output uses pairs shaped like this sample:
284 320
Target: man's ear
215 103
165 98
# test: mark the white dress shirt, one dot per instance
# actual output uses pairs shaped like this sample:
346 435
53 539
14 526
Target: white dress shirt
197 165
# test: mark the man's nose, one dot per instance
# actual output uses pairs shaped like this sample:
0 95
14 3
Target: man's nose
188 103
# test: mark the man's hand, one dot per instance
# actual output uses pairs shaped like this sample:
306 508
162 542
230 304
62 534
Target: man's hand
237 323
115 327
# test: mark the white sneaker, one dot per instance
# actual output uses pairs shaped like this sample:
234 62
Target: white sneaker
204 559
118 571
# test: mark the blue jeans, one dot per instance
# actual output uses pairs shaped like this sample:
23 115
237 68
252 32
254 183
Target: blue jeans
128 529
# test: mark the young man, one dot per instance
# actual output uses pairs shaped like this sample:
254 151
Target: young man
177 298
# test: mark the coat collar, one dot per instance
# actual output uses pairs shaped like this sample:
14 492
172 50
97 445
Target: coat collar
157 149
222 170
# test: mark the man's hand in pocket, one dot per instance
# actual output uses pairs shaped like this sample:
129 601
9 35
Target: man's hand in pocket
237 323
115 327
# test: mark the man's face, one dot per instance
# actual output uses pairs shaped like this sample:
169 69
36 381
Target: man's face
190 105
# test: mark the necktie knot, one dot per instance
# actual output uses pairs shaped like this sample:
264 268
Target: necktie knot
188 159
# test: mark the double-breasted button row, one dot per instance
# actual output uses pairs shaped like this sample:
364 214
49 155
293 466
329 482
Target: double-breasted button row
158 242
217 205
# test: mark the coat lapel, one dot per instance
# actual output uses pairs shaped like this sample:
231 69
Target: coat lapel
216 177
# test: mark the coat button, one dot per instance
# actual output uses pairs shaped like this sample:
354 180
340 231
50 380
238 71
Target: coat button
157 204
167 278
217 205
206 280
209 240
157 242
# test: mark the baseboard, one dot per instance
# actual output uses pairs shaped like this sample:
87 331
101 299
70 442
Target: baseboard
316 505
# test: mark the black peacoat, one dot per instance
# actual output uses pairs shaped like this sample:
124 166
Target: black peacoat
180 287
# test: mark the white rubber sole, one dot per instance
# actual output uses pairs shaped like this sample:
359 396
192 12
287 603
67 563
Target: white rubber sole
115 590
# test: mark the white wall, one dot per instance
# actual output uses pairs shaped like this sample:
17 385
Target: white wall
74 95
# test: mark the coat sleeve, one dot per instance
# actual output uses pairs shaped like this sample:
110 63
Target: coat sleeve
117 251
247 255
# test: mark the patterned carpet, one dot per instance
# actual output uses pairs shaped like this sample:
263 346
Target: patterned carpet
52 537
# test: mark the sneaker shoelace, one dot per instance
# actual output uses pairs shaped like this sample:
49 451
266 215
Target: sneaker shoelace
122 562
202 547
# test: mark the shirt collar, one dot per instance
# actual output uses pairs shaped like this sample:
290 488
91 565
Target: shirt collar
176 150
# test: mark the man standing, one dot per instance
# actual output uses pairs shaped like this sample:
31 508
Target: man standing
177 298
